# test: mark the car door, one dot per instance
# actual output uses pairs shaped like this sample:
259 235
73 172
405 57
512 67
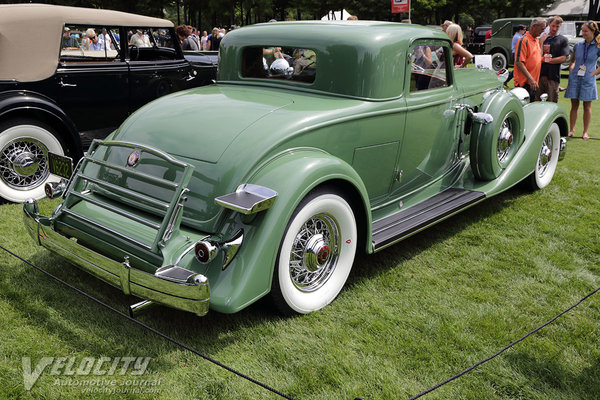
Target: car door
156 65
92 81
430 143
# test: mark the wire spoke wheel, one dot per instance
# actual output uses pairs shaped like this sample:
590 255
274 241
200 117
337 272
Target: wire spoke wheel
23 163
315 255
24 148
505 141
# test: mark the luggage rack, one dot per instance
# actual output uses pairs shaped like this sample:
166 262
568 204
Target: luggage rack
162 215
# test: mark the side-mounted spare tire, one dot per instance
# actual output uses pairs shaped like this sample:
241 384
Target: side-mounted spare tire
493 146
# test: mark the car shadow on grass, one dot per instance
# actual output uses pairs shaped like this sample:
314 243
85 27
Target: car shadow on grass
380 262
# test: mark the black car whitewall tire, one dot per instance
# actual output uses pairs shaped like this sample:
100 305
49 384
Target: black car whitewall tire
24 147
545 165
316 254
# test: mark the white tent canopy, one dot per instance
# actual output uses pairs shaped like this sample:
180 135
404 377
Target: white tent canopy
336 15
568 8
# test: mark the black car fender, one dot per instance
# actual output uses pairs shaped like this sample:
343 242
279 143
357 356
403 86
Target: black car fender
29 104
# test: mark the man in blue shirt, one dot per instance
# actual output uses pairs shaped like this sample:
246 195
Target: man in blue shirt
518 35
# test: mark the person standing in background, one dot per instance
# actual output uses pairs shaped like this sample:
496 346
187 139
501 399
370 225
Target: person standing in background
528 58
461 56
582 77
555 48
518 35
203 41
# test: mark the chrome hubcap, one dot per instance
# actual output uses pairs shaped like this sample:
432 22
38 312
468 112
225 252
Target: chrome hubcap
505 140
314 253
23 164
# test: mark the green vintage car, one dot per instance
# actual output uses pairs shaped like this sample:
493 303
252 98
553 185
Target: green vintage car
319 139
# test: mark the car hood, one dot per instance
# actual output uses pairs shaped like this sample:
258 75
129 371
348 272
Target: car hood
201 123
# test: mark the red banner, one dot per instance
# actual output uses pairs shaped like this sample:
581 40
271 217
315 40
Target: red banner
400 6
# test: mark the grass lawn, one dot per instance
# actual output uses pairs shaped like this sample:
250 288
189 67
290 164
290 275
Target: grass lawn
410 316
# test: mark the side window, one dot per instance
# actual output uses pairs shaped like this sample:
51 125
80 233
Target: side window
151 44
428 67
89 43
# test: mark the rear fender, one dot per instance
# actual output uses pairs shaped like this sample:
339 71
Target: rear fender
292 175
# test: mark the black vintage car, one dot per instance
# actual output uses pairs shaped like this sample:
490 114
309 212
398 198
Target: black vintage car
477 43
77 78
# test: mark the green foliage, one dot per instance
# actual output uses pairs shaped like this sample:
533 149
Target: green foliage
205 14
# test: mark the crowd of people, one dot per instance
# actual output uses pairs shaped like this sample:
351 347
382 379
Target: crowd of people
191 38
538 54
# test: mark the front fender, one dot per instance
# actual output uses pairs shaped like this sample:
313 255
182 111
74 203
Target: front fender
538 117
292 175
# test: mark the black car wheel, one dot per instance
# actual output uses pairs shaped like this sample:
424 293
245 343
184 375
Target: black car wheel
24 147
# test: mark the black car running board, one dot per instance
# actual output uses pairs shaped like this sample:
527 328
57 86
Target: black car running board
404 223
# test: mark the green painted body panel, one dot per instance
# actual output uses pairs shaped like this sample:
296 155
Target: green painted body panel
357 128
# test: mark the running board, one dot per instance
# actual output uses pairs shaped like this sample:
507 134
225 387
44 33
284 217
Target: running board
404 223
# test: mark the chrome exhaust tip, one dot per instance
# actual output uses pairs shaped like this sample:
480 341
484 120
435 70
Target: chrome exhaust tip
138 308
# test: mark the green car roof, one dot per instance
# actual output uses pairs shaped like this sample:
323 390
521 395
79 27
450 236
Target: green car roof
349 61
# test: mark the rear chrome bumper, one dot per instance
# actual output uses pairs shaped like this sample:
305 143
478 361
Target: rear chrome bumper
172 285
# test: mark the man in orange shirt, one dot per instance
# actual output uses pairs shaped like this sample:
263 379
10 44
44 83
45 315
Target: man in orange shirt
528 58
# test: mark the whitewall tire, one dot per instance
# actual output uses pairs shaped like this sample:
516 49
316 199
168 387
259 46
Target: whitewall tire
545 165
316 254
24 147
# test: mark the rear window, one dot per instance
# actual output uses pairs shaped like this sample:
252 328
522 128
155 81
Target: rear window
280 63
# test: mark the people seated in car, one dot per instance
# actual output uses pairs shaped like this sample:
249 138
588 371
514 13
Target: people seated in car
139 39
94 40
304 59
69 41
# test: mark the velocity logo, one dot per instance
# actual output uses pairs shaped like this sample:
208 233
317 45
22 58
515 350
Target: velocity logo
87 366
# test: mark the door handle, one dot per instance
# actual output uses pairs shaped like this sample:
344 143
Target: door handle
62 84
191 75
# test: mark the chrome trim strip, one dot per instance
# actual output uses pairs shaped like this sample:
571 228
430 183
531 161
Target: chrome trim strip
125 276
171 224
145 148
231 247
115 188
130 172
